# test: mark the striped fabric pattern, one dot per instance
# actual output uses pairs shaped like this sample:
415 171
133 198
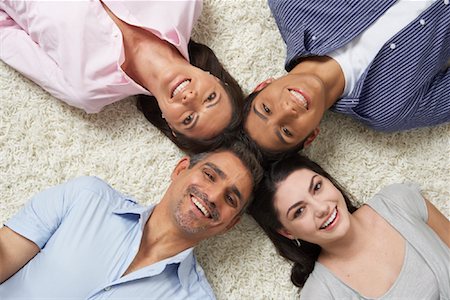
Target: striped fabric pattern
408 83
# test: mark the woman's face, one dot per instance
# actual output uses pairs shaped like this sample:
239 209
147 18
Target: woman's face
194 103
286 112
311 208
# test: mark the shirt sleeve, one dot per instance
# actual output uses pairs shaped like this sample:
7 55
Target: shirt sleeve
315 289
19 51
407 198
43 214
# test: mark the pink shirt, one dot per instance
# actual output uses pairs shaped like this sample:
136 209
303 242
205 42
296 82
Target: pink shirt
74 49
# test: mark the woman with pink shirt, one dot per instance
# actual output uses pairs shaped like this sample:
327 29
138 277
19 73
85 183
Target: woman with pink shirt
91 54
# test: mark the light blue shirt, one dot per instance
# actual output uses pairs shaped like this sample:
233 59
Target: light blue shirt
89 234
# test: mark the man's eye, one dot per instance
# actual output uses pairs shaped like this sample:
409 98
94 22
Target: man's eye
211 96
286 131
266 109
230 200
188 120
209 175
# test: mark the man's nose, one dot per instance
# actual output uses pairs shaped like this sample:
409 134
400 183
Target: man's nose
289 109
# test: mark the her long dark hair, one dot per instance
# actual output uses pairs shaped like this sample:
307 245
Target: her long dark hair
263 211
204 58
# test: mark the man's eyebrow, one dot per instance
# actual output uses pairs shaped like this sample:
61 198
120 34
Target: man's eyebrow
217 170
259 114
280 137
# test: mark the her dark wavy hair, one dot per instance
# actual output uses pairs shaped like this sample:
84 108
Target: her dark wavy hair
263 211
204 58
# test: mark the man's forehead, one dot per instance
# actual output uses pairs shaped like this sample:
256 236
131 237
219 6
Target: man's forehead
227 162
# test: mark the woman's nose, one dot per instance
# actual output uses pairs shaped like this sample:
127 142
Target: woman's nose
188 96
322 209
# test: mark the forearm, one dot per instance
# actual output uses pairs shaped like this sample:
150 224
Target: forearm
15 252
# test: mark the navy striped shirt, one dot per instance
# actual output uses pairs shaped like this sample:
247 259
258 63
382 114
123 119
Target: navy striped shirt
406 86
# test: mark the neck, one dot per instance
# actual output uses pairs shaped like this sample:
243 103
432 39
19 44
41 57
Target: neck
328 71
355 241
161 238
147 57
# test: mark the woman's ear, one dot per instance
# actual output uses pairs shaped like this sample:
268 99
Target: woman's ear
285 233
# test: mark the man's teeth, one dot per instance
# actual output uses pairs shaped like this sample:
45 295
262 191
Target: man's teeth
300 98
330 219
181 86
200 206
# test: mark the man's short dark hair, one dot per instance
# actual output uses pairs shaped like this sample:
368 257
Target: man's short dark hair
245 154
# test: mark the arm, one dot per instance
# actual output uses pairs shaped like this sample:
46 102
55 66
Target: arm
438 222
20 52
15 252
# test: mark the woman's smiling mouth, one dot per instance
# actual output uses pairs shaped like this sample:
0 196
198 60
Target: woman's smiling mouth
180 87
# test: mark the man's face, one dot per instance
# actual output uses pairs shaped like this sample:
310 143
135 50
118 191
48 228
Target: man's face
286 112
206 199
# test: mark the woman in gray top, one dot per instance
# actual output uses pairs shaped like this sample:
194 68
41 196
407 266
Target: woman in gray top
394 246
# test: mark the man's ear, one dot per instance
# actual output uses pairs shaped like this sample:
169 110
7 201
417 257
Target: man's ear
263 84
285 233
311 137
182 165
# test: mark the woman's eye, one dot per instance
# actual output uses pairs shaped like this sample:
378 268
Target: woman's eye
298 212
266 109
317 186
286 131
188 120
211 96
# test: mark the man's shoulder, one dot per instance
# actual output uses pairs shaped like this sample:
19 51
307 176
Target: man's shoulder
95 188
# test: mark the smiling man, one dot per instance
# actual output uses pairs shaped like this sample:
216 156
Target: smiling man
83 239
383 63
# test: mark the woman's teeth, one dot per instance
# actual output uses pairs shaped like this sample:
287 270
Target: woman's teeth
299 97
200 207
330 219
180 87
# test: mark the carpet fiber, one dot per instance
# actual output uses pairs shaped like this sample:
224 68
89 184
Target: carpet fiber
44 142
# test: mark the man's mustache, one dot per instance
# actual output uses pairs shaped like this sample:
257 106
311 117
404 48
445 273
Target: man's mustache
193 190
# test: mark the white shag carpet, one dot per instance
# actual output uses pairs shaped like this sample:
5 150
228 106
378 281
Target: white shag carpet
44 142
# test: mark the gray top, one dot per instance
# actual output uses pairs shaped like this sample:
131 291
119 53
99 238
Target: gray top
425 273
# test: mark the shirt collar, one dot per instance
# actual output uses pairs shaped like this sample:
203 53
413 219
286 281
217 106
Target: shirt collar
185 259
139 212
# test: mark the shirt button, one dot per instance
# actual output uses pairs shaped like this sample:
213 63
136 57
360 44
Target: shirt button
107 288
392 46
446 2
422 22
314 37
